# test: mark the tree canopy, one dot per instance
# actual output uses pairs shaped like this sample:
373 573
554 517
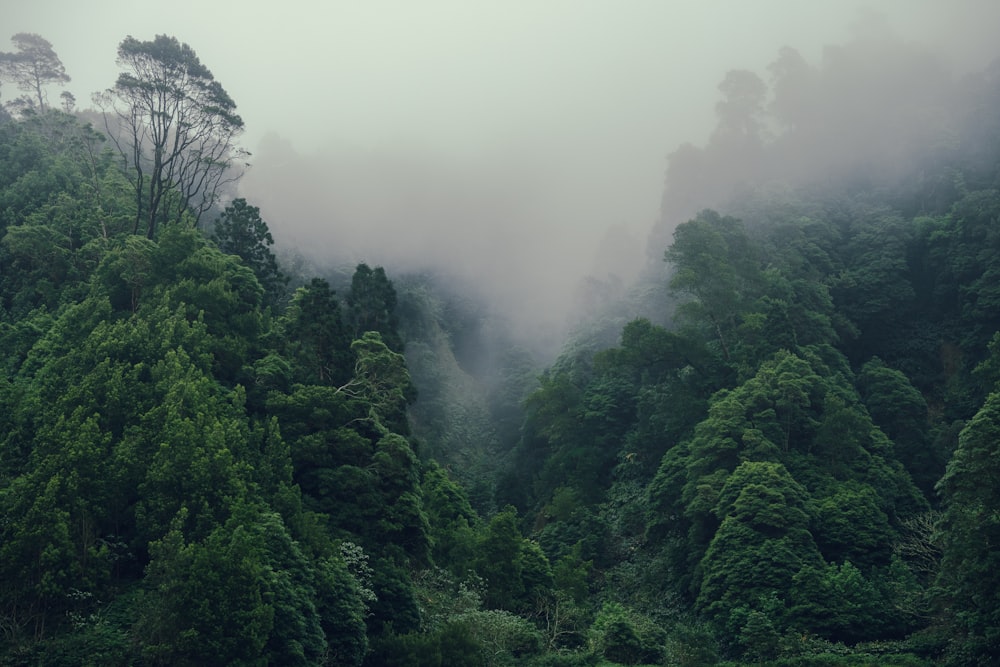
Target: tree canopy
176 128
207 455
32 67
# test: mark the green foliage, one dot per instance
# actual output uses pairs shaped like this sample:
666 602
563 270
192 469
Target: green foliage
715 264
177 129
240 231
515 571
395 608
625 637
503 637
382 382
193 471
341 603
371 305
691 645
317 338
246 594
901 411
760 546
452 522
970 524
850 525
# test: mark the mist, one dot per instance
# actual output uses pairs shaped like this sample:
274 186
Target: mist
530 154
552 221
506 228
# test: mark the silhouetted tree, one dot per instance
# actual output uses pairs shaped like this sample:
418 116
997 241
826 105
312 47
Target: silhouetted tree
32 67
177 129
242 232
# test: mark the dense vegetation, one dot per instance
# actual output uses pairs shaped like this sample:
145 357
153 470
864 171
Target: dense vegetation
792 459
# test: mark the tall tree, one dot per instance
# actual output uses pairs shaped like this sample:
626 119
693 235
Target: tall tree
715 266
372 304
242 232
33 66
176 128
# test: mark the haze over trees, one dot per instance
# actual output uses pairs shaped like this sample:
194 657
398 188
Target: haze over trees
32 67
176 129
211 454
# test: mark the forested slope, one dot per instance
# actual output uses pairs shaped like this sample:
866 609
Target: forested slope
795 469
791 459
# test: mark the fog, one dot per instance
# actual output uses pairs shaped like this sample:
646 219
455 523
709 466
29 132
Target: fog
515 147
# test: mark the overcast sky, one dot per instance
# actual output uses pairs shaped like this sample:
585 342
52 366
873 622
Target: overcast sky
571 105
465 76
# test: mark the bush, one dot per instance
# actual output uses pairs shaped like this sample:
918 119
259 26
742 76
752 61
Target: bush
626 637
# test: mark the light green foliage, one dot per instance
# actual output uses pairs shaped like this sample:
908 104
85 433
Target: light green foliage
381 381
504 638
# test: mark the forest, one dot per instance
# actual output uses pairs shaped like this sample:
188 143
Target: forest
780 446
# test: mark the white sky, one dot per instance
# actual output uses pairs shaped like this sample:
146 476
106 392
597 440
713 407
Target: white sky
588 96
463 75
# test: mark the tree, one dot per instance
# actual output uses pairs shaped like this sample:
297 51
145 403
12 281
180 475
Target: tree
715 263
970 530
176 129
240 231
383 382
762 544
901 412
742 107
625 637
316 337
794 90
452 519
498 563
210 600
372 304
32 67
